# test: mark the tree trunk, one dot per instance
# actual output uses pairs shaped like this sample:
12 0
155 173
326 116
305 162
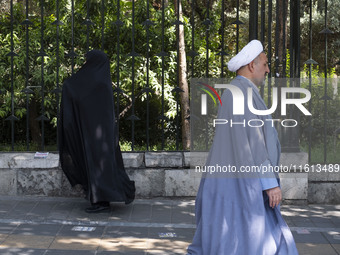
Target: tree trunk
183 83
282 6
281 46
33 123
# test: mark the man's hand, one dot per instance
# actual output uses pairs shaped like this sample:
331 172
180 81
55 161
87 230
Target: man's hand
275 196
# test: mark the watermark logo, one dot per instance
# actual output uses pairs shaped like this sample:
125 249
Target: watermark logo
208 89
218 102
239 99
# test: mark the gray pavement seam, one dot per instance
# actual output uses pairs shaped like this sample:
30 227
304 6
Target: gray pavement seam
138 224
100 223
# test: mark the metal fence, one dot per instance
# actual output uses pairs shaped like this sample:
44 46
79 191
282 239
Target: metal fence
272 22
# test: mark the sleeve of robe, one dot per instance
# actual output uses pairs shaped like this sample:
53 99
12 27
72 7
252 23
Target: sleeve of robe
270 181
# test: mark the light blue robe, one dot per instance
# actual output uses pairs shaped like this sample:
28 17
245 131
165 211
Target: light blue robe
233 216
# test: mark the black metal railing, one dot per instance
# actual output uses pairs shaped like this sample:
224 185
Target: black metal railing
209 46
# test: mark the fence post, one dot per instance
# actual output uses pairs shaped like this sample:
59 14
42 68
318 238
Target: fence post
253 19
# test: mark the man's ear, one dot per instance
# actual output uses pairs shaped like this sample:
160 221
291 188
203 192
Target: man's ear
251 66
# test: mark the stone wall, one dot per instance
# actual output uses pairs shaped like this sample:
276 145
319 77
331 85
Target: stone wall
156 174
324 185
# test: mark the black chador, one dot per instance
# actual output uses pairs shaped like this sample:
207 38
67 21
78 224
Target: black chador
88 142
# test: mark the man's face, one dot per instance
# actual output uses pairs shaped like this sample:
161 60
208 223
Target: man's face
261 69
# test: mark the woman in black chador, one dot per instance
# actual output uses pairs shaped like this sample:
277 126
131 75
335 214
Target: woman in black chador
88 137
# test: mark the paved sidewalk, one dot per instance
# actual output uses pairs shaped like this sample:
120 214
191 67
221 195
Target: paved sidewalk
59 226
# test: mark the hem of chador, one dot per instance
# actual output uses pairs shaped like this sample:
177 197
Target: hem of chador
126 201
87 196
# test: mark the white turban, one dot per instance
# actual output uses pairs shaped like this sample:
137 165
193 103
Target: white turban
246 55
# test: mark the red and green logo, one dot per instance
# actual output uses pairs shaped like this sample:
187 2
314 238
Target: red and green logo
210 91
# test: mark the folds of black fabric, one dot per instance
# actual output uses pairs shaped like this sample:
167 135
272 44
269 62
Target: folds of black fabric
88 144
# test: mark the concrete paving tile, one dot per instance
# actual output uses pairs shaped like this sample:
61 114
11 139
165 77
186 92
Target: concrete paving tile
315 249
133 232
21 251
123 244
120 212
109 252
167 246
134 251
288 221
186 208
133 240
78 212
161 213
74 243
295 208
7 205
61 210
75 231
323 207
326 224
111 231
21 209
332 237
335 220
101 216
3 237
41 210
287 212
336 247
7 228
305 224
21 241
313 237
111 245
37 229
320 219
141 213
300 219
64 206
159 252
69 252
156 252
25 206
3 215
184 234
333 212
120 252
316 209
181 215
